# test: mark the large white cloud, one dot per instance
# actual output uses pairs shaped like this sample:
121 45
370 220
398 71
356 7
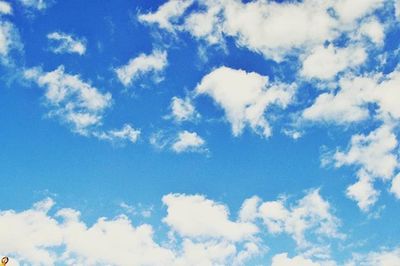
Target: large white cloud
245 97
200 232
267 27
142 65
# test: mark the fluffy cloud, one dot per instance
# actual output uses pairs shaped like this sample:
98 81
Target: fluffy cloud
351 10
44 236
183 109
74 101
167 13
310 213
363 191
188 141
245 97
28 235
350 102
141 65
5 8
378 258
327 62
373 153
201 232
375 157
273 29
347 105
196 216
66 43
374 30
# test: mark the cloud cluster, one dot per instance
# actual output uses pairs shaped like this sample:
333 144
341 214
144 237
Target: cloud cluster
201 232
78 104
272 29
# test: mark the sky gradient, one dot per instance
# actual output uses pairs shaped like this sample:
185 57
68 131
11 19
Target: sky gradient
200 132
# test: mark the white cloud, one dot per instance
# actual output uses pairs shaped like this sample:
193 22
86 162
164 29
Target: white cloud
9 40
249 209
395 188
195 216
126 133
245 97
378 258
374 153
206 253
110 242
375 157
141 65
327 62
374 30
200 232
35 4
188 141
311 213
66 43
283 260
5 8
29 235
351 10
183 109
272 29
397 8
166 13
363 191
72 100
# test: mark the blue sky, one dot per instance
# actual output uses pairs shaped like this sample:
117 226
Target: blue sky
200 132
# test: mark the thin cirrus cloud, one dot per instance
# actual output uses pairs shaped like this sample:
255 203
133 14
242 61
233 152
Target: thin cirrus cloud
202 230
153 63
66 43
36 4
